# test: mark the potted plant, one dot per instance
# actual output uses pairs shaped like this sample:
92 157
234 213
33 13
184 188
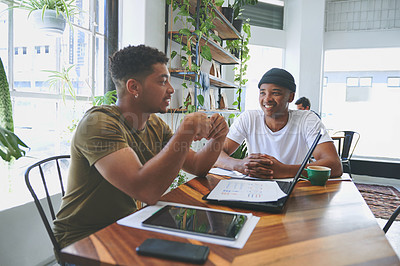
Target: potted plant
10 144
235 11
49 15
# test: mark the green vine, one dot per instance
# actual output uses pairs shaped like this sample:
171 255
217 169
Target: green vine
240 47
203 28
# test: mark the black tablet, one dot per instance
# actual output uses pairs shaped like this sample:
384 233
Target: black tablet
211 223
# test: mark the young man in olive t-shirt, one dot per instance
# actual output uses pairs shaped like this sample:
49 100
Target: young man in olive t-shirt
123 153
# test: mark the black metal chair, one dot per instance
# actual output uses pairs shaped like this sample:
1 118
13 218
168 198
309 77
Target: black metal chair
346 148
391 219
47 177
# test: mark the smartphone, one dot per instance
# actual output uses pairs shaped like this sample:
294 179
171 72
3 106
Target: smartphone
173 250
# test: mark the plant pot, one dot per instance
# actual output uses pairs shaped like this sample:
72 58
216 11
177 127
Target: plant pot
50 23
237 23
228 13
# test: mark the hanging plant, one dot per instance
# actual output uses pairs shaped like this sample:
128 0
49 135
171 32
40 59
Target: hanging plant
241 46
49 15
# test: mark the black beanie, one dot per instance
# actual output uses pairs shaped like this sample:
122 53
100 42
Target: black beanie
279 77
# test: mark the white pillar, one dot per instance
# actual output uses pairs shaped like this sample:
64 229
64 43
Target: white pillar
304 24
143 23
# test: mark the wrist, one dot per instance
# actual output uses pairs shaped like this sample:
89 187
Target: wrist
188 126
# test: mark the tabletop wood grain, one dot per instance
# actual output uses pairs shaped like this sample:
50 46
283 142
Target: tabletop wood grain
329 225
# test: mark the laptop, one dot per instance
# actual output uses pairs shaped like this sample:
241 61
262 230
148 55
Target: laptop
286 186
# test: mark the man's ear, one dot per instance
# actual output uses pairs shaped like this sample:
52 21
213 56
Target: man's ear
133 86
291 97
307 108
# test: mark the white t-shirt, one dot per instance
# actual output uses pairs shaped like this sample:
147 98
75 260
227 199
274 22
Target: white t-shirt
288 145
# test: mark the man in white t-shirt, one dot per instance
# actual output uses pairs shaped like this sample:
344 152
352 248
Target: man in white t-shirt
277 138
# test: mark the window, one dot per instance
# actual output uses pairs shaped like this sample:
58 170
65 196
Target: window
325 81
42 118
268 14
365 82
357 89
393 81
358 15
358 98
352 82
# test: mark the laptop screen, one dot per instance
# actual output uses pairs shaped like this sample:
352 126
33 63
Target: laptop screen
303 164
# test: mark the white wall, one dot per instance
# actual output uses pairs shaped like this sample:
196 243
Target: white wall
143 22
24 240
364 39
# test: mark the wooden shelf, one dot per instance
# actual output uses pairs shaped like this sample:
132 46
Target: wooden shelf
224 28
218 53
214 81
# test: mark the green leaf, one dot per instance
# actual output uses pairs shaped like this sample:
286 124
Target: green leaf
215 37
109 98
9 145
176 19
198 33
235 103
231 116
6 116
219 2
173 54
206 53
186 32
183 12
191 108
200 98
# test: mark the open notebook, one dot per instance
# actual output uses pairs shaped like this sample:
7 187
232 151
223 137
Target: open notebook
268 206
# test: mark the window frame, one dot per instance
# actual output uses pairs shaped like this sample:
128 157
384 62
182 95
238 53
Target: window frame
96 39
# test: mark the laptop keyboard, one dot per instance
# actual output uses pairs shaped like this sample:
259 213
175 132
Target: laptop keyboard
284 185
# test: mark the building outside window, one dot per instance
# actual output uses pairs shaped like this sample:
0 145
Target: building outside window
393 81
45 116
360 96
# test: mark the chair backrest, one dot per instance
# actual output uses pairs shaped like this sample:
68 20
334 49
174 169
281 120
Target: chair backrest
350 141
47 176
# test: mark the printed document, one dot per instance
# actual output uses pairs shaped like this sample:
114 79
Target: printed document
230 173
246 190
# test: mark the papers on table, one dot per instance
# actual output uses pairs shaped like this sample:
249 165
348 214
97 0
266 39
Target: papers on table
135 220
238 175
246 190
230 173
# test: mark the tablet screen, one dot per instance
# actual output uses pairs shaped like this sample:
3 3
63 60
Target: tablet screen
197 221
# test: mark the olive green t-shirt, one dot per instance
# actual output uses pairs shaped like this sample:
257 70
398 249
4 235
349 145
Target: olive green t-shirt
91 202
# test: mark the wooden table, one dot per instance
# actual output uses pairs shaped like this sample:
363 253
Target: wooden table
329 225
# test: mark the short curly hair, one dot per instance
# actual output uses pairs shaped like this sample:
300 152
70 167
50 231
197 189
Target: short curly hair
305 102
134 62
